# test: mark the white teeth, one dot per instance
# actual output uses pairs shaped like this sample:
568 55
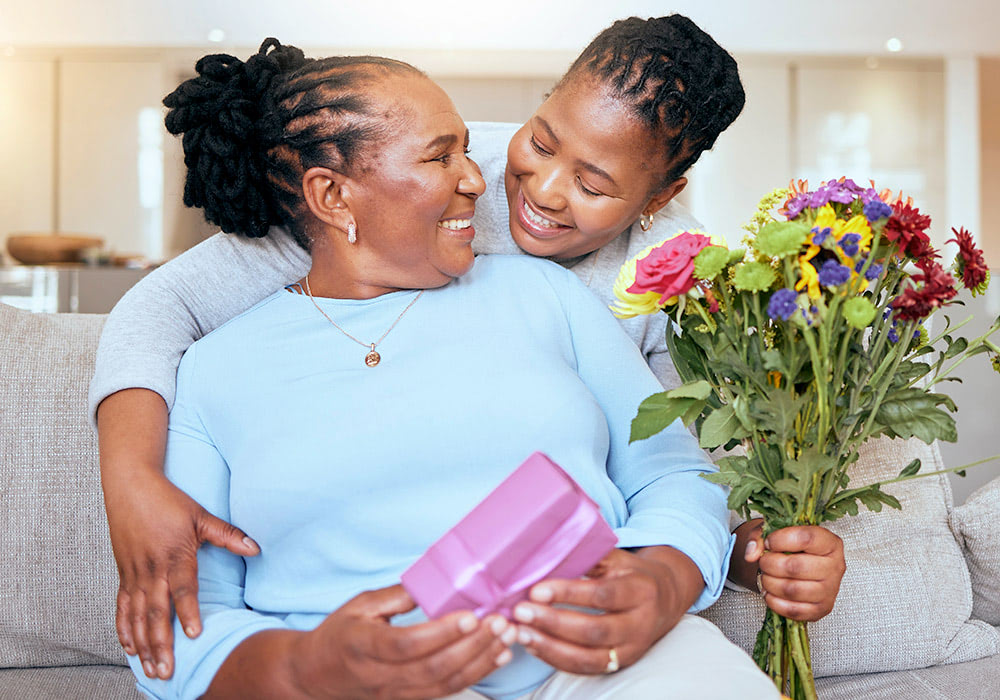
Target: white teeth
539 220
455 224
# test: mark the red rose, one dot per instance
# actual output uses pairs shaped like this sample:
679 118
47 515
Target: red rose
668 270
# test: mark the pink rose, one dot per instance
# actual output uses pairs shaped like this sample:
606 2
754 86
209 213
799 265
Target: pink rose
668 270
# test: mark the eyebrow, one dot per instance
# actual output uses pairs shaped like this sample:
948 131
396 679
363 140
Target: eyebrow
589 167
442 141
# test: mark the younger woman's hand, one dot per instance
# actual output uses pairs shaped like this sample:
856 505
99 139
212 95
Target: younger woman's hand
801 569
156 530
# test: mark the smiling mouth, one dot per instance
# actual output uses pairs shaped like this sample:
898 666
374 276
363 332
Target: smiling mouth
455 224
535 223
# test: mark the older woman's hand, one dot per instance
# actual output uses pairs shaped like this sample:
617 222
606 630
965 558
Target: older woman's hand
357 653
640 598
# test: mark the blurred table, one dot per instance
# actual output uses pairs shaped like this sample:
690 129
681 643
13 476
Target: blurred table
65 288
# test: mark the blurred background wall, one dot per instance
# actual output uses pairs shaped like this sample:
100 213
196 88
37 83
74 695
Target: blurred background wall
903 92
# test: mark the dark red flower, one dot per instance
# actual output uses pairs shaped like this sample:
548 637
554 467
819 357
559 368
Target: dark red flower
971 265
906 228
936 288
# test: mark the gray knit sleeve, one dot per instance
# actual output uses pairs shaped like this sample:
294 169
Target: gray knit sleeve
154 323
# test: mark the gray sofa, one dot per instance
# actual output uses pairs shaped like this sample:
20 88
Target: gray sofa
917 616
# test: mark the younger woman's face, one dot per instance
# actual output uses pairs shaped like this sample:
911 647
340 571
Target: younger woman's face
580 171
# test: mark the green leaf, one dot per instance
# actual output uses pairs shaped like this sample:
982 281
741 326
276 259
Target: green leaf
911 468
753 277
719 427
914 413
957 347
658 411
710 262
779 239
692 390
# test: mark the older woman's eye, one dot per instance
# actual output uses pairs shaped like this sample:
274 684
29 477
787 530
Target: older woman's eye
538 147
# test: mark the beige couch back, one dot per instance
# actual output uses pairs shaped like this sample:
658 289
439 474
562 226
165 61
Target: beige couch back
57 574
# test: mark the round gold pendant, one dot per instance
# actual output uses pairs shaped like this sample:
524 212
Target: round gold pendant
372 358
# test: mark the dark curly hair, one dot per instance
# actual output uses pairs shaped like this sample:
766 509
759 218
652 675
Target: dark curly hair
252 129
678 81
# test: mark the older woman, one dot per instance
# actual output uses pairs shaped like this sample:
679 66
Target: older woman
348 421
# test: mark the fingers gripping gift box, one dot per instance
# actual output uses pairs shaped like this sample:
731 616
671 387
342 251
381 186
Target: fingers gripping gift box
537 524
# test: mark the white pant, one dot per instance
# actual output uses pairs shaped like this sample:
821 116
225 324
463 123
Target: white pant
694 661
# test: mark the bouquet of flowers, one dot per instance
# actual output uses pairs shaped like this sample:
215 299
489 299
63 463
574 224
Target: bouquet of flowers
801 347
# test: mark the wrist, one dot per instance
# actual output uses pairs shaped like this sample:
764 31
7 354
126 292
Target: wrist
680 577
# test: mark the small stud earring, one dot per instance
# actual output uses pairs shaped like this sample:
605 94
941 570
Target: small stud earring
646 222
352 233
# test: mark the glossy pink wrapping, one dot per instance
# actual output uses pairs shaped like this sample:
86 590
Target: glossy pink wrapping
538 523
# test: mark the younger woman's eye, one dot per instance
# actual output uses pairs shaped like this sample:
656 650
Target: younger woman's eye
538 147
586 190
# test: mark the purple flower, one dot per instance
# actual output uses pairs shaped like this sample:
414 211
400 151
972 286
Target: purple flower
833 274
877 209
873 272
782 304
893 335
796 205
820 235
849 243
916 334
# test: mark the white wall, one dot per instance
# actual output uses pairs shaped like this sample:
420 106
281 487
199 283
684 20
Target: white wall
27 126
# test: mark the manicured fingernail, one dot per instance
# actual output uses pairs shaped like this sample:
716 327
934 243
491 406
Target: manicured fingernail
163 669
767 544
504 657
251 544
191 632
467 623
498 626
149 669
751 548
525 637
509 635
522 613
541 594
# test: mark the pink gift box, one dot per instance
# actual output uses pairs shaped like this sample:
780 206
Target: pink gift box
537 524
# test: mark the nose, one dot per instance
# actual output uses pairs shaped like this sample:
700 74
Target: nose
472 183
548 190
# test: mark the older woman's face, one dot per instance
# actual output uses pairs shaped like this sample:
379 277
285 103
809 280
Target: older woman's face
415 201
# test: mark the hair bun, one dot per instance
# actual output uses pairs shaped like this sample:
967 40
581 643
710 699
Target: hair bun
219 113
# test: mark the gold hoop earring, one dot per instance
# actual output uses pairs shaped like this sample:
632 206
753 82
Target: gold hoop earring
352 233
646 222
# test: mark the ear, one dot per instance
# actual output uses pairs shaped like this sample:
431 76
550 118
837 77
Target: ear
325 193
662 198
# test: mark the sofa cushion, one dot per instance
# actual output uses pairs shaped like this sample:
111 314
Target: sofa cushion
83 682
977 525
906 593
972 680
59 579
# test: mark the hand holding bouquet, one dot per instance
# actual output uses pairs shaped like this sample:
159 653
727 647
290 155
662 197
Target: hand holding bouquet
802 347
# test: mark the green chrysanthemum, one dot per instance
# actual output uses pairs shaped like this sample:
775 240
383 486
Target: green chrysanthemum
754 277
858 312
710 262
780 239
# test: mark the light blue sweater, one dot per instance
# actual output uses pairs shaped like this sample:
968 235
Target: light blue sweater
345 474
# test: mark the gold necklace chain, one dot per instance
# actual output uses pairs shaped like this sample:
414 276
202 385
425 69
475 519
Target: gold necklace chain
372 358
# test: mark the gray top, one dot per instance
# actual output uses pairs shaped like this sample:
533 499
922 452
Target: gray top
155 322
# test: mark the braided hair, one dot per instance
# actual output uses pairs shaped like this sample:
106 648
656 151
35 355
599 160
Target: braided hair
676 79
252 129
